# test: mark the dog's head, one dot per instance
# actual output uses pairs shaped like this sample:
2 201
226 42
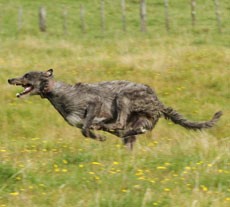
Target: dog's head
34 83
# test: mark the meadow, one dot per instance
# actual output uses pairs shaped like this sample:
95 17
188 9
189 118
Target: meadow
45 162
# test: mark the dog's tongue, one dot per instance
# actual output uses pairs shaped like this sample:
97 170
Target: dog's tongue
27 90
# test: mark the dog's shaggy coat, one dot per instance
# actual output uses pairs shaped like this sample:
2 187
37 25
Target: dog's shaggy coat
123 108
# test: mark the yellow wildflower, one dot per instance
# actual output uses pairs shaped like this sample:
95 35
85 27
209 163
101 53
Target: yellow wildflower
227 199
167 189
65 161
112 172
124 190
152 181
161 168
56 170
141 178
204 188
199 163
14 193
96 163
139 173
64 170
91 173
18 178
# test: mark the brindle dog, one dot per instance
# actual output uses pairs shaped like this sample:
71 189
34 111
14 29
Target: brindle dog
122 108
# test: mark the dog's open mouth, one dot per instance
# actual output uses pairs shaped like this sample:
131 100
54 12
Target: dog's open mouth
27 89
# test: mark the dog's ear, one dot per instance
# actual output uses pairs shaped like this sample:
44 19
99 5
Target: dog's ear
49 73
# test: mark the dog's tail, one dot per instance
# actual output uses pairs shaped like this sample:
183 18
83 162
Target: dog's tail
175 117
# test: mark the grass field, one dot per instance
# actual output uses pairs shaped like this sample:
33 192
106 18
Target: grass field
45 162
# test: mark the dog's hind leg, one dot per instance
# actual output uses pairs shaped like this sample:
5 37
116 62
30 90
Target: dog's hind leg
129 141
139 125
122 103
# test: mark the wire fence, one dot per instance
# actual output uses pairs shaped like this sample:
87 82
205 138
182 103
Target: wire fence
107 16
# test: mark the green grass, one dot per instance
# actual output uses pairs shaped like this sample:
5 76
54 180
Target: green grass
179 15
45 162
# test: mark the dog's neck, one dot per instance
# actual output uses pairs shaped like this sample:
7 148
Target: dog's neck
52 88
47 88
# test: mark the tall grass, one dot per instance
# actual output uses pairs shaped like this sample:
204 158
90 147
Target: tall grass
45 162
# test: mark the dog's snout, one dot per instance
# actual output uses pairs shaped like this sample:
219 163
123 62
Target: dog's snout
10 81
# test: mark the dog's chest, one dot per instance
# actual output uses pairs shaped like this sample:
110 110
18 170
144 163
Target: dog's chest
73 114
75 120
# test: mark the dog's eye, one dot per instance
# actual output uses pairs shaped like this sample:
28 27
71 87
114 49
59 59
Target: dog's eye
27 75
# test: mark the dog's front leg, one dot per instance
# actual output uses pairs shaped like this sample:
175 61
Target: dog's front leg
91 112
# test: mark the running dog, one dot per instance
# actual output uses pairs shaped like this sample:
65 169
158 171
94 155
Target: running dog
122 108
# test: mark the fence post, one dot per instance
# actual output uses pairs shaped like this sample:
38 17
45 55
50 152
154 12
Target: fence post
123 10
20 13
82 18
64 16
42 19
166 5
217 12
143 15
102 16
193 12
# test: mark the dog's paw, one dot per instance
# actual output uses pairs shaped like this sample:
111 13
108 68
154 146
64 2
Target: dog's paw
96 127
102 138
